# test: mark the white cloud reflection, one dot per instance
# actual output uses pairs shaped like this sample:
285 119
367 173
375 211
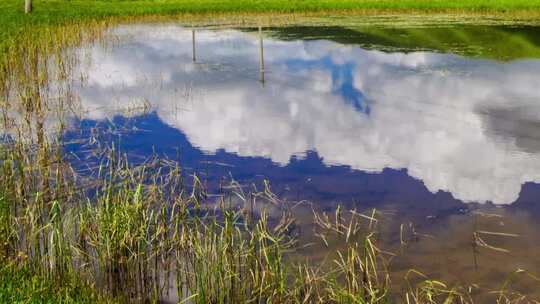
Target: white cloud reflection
470 127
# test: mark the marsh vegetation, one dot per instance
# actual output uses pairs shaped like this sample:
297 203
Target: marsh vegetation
145 231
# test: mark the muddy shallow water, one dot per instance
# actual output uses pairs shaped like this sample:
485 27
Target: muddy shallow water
429 125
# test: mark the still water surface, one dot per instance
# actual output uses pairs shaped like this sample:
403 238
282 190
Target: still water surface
431 129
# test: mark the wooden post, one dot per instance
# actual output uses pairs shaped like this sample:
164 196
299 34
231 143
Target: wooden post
261 56
27 6
474 242
194 57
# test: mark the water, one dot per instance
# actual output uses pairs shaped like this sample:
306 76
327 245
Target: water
426 124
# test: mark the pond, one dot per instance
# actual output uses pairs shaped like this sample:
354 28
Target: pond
436 126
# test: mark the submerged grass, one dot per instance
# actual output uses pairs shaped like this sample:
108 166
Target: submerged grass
473 40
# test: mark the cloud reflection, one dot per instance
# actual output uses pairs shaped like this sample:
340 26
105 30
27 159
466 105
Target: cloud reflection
470 127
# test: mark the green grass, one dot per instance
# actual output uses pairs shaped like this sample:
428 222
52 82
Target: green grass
21 285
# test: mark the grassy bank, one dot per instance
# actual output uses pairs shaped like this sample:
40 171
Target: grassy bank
52 12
